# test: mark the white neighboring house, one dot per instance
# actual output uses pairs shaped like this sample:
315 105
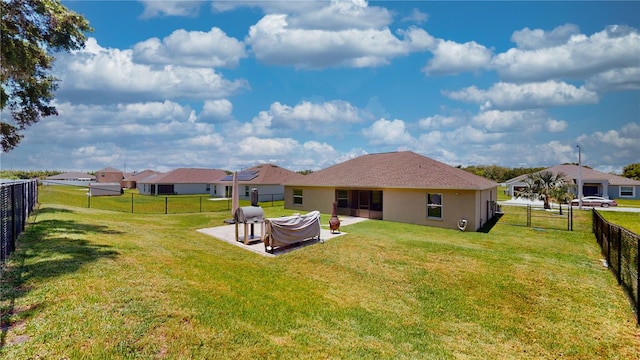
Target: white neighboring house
69 178
104 189
594 183
267 178
183 181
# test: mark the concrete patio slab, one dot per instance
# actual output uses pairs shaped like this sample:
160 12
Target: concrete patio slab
227 233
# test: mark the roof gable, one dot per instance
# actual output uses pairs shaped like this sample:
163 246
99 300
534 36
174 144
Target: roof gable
403 169
186 176
264 174
140 175
572 172
109 170
72 175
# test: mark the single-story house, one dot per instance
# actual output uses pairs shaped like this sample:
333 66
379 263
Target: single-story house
268 179
397 186
105 189
594 183
109 175
180 182
130 180
72 178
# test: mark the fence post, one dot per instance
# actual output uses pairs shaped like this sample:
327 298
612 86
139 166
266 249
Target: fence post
619 256
166 205
132 203
638 283
528 215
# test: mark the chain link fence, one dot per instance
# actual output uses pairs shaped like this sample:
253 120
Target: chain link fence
17 201
620 249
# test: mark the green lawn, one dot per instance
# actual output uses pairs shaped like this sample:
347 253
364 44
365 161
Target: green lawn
628 220
96 284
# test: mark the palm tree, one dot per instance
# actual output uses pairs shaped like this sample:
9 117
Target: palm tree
543 185
562 195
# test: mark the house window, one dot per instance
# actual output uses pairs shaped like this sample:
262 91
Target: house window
246 191
342 198
434 206
215 189
208 187
627 191
297 196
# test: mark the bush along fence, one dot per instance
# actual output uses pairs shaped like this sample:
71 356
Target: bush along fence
17 201
620 249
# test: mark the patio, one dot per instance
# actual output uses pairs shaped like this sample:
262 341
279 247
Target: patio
227 233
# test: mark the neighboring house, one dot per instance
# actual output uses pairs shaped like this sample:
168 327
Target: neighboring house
180 182
69 178
267 178
105 189
130 180
594 183
398 186
109 175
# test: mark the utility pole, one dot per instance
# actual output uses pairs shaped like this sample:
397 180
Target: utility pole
579 177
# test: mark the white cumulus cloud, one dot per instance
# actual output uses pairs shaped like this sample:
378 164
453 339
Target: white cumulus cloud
104 75
578 57
450 57
525 96
191 48
274 41
386 132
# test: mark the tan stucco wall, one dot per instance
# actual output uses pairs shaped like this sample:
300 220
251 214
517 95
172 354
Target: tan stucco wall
410 205
313 198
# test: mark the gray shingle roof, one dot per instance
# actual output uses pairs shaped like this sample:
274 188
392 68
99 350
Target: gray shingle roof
403 169
571 175
571 172
186 176
72 175
269 174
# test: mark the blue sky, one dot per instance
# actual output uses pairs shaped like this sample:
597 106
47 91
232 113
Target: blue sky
306 84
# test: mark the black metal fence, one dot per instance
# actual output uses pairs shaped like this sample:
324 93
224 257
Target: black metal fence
171 204
17 200
620 249
538 217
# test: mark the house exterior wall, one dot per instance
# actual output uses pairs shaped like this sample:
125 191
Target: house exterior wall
410 205
314 198
143 189
108 177
188 189
104 189
178 189
616 193
265 192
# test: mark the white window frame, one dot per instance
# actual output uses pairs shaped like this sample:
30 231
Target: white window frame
298 199
434 206
633 191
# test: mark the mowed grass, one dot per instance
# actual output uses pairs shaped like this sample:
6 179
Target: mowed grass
132 202
628 220
97 284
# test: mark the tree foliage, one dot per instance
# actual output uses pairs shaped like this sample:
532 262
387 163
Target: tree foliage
27 174
31 32
499 173
632 171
